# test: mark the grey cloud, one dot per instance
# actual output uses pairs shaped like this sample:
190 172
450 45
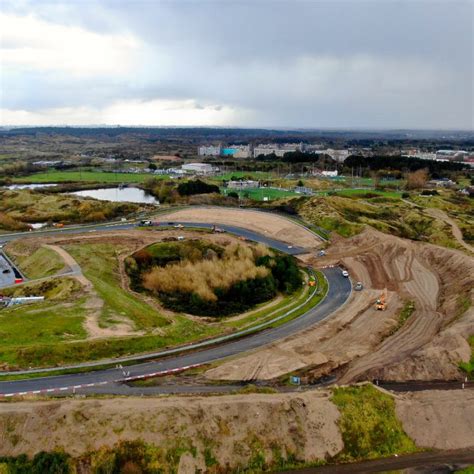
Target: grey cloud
278 63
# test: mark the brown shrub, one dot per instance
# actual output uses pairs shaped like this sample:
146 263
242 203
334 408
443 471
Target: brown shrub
204 276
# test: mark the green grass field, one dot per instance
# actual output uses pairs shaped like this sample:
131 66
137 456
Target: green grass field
363 192
244 174
258 194
87 176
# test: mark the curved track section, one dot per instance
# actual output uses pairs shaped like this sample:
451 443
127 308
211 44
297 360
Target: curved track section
338 292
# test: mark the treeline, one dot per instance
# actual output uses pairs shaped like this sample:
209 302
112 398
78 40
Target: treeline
197 186
377 163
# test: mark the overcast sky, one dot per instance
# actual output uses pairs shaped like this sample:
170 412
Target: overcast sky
312 64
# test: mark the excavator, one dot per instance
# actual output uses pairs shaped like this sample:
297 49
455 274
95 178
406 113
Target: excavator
380 303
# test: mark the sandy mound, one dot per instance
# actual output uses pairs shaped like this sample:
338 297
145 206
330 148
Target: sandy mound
304 424
267 224
438 419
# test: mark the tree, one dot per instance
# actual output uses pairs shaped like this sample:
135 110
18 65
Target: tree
196 187
417 179
152 166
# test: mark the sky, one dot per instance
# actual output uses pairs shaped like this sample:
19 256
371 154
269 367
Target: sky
257 63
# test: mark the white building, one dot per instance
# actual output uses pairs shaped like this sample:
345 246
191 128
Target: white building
210 150
243 184
329 174
199 168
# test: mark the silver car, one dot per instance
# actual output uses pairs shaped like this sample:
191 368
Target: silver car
358 286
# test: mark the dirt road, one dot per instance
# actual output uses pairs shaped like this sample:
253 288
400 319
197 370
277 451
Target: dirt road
441 215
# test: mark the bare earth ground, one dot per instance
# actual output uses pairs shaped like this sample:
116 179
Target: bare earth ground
303 423
438 419
428 347
271 225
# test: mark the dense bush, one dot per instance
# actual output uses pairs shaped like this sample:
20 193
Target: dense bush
43 462
204 279
196 187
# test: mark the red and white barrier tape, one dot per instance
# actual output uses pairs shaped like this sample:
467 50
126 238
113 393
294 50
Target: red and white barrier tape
95 384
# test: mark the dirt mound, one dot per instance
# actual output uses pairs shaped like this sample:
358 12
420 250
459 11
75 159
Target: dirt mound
438 419
233 427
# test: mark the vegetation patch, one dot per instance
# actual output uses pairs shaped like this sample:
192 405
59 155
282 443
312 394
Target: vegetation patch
468 367
368 424
204 279
407 310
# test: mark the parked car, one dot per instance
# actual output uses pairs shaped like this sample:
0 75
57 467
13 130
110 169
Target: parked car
321 253
345 273
180 237
358 286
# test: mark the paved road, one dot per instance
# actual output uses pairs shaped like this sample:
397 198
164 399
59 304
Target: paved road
338 292
6 265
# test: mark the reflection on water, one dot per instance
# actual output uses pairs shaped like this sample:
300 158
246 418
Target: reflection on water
119 195
31 186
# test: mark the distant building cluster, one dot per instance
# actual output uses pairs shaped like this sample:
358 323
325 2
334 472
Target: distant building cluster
277 149
439 155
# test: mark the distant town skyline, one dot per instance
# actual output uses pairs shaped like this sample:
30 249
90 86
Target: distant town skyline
266 64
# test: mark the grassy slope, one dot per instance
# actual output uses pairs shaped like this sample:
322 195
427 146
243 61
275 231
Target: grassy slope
58 320
41 263
346 215
100 265
368 423
25 206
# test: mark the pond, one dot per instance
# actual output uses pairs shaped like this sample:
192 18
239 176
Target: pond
119 195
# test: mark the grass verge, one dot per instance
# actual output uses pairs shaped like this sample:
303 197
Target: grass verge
368 424
468 367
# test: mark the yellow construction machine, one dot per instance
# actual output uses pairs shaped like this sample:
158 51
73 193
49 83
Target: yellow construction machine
380 304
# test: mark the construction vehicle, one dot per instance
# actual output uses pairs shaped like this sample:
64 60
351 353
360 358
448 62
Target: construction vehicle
217 230
312 281
380 303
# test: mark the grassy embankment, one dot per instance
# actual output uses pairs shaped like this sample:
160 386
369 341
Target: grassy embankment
39 263
369 425
60 338
20 207
347 214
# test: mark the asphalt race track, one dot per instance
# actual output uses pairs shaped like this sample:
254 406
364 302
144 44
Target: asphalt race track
339 290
